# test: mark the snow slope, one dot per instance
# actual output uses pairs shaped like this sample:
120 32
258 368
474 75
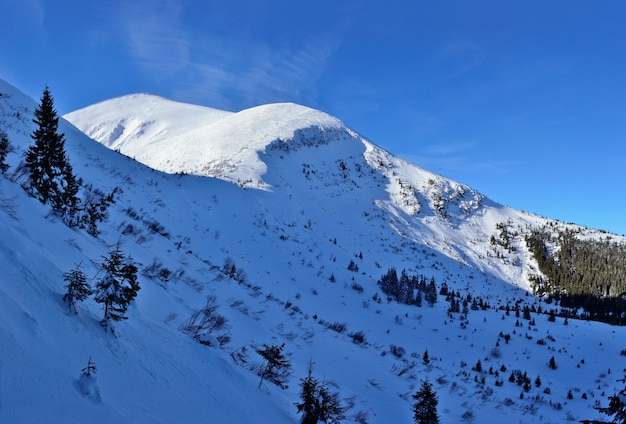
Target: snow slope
328 198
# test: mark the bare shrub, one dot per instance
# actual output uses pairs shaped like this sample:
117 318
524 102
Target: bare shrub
206 320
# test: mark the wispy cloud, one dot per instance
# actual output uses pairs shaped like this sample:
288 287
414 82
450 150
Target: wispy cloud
459 157
154 36
22 17
453 148
234 70
460 57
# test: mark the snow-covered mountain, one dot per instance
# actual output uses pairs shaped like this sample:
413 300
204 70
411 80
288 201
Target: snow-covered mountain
321 166
288 218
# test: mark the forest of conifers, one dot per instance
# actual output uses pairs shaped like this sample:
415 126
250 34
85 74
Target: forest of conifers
587 276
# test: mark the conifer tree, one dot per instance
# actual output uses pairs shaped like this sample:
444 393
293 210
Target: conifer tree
425 406
277 368
418 299
51 177
552 363
118 287
309 397
77 288
94 210
318 403
5 148
431 293
616 408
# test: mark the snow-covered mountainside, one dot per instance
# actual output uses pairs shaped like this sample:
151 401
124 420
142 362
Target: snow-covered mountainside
303 219
317 163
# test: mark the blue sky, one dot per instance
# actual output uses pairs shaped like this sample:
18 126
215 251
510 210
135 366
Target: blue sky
524 101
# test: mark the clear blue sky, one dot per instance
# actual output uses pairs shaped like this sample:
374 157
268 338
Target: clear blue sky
524 101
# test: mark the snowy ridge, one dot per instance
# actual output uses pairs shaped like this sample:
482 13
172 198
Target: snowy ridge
178 138
330 201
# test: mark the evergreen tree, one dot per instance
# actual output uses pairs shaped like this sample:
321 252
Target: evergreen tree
118 287
318 403
51 177
5 149
418 299
70 203
330 409
425 406
616 408
94 210
552 363
431 293
277 368
77 288
405 291
309 397
90 368
389 283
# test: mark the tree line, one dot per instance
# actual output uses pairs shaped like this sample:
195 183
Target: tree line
409 290
585 274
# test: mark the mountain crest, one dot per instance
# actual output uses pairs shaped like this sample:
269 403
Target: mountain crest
179 138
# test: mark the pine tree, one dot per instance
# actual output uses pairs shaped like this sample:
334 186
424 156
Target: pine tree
425 406
94 210
77 288
330 409
552 363
318 403
405 291
418 299
51 177
616 408
389 283
69 202
5 149
118 287
277 368
431 293
309 396
90 368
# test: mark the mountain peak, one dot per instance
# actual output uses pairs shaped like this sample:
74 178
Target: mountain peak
176 137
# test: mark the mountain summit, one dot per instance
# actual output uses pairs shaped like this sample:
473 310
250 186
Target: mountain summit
180 138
